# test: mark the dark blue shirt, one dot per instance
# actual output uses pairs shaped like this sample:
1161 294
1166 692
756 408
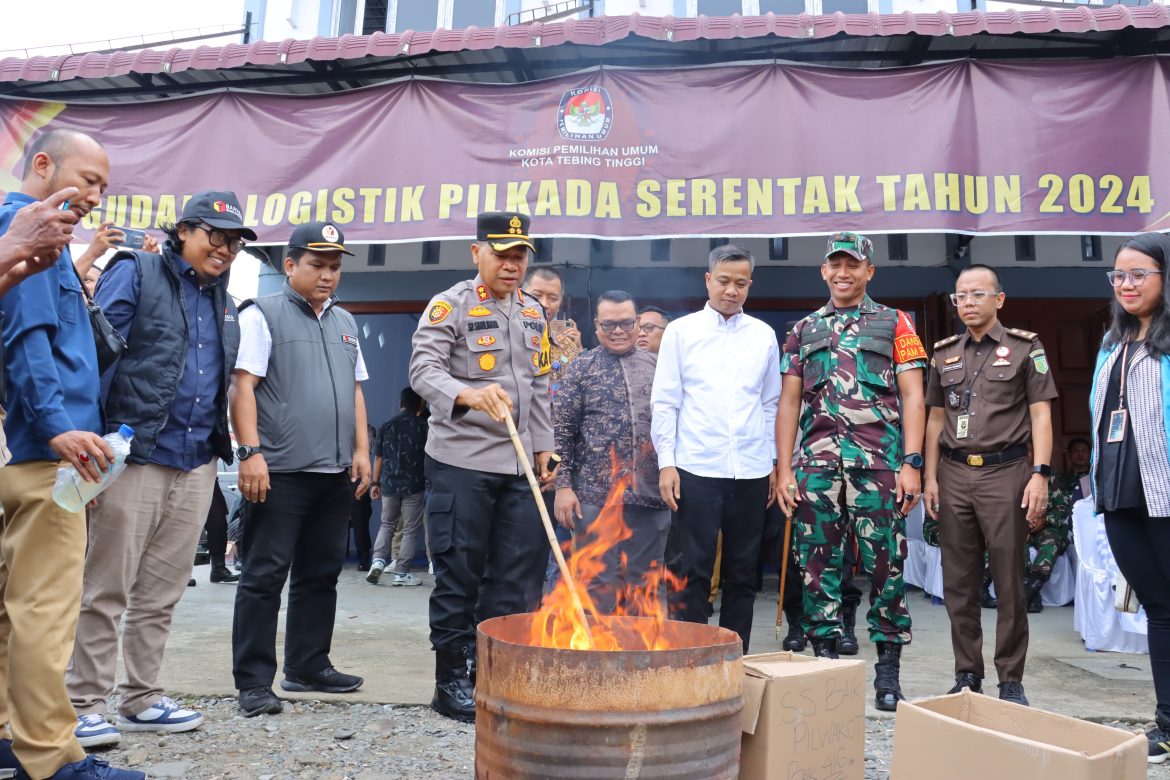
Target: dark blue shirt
49 355
401 443
185 440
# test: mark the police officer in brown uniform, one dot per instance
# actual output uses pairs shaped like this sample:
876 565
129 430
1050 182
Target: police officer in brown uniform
990 393
481 352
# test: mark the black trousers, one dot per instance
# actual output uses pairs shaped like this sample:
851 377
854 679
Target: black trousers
709 505
1141 546
302 528
360 511
216 525
489 549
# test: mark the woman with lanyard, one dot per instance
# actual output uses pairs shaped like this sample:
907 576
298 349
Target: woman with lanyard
1131 432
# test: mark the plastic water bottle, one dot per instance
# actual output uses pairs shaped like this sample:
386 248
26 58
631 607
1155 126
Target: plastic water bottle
72 492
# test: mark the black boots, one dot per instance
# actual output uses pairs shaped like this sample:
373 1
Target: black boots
1032 587
454 695
847 644
824 648
795 641
885 677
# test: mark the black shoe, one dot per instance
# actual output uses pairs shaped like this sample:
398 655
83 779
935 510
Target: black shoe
1159 745
967 680
328 680
885 677
1035 605
1013 692
191 583
1032 587
825 648
454 696
988 601
363 567
223 574
258 701
847 644
795 641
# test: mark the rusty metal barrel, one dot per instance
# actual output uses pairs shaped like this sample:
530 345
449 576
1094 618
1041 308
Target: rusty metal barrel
635 715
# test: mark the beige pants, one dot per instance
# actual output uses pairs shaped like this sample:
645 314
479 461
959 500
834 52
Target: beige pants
41 551
142 538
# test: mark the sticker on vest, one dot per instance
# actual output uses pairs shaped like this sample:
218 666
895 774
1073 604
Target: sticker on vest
349 339
438 313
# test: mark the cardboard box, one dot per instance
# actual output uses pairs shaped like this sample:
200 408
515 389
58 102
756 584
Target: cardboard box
969 736
803 718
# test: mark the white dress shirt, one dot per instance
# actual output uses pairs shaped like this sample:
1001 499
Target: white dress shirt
715 394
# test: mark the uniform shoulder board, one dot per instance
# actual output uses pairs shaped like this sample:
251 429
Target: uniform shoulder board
945 342
1024 334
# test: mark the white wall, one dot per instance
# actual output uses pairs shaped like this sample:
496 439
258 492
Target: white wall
293 18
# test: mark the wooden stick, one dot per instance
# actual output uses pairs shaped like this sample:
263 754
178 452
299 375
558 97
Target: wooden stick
548 529
785 555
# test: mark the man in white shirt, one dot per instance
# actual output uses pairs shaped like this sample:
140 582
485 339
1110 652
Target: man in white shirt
714 403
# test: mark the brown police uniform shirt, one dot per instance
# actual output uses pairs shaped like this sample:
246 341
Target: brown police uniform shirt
1013 373
466 339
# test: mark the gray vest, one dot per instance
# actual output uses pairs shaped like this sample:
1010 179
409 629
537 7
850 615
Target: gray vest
305 403
147 375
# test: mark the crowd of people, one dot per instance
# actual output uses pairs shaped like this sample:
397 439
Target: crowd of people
706 429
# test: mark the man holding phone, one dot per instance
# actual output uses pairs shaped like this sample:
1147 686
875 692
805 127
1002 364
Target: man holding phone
106 238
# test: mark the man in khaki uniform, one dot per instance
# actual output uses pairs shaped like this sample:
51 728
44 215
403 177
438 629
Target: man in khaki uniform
481 352
990 393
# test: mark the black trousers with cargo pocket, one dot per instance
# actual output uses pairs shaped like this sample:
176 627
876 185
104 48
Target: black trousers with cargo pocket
489 549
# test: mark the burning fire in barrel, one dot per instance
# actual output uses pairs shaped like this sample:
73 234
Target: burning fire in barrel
628 695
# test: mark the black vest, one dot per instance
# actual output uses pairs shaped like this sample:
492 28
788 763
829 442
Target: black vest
147 375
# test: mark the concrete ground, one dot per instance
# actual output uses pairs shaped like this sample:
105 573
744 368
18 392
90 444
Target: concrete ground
381 634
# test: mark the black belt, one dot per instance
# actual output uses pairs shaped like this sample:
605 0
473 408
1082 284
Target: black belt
987 458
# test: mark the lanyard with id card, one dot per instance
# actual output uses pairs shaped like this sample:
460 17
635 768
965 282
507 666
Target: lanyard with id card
1120 416
963 420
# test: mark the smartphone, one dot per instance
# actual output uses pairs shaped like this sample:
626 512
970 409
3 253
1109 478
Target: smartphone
560 326
133 239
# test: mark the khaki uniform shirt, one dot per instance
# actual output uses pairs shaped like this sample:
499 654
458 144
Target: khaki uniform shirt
465 339
1013 373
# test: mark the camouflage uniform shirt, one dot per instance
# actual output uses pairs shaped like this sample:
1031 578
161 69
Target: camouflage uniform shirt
1063 491
848 364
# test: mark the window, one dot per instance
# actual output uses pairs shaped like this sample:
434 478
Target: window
375 16
898 246
782 6
1090 248
845 6
430 253
600 253
660 250
1026 249
544 251
720 7
473 13
718 242
376 255
418 15
778 248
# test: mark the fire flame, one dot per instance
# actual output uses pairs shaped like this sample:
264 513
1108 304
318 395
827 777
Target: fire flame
557 624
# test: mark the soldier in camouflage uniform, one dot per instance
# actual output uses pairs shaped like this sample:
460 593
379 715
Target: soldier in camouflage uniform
1053 538
859 456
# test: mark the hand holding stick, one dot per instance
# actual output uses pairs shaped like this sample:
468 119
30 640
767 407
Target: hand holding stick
784 556
548 528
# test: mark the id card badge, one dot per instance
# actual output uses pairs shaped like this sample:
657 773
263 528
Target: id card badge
962 425
1117 420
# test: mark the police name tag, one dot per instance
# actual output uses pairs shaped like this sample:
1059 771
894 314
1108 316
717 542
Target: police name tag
1117 420
962 426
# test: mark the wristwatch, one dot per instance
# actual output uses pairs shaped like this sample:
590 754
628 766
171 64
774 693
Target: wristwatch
913 460
245 451
1043 470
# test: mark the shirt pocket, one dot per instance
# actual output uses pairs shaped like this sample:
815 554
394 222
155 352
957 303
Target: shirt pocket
815 355
538 358
485 354
1000 386
875 361
70 304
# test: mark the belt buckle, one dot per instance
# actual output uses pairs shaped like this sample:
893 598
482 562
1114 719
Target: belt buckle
975 460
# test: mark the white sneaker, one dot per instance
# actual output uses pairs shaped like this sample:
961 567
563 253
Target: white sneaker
430 567
164 715
95 731
376 569
407 580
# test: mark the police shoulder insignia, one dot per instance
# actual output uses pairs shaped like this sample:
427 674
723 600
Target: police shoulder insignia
438 312
479 311
1024 334
520 295
531 313
946 341
481 292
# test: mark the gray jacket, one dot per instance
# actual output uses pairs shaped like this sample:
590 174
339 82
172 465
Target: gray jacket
305 404
464 340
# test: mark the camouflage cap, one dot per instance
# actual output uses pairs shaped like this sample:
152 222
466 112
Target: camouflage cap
852 244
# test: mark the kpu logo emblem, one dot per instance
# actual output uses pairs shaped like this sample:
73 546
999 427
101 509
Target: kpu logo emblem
222 207
585 114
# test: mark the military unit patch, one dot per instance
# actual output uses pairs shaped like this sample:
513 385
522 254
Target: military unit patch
485 341
479 311
438 312
487 362
531 313
1040 360
536 341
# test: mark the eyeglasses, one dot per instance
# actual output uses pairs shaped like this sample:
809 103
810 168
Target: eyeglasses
218 238
649 327
1136 278
608 326
975 296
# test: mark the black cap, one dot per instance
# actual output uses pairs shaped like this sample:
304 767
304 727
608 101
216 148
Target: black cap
319 237
218 209
503 229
